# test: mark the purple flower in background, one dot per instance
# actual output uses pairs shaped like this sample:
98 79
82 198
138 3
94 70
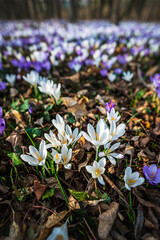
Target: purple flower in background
47 65
30 109
103 72
156 82
152 174
1 66
2 122
2 86
118 70
109 106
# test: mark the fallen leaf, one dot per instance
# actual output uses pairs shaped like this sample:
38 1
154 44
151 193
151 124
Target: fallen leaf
74 78
17 116
139 223
68 101
15 138
73 203
152 70
52 221
144 141
39 189
156 130
106 221
79 109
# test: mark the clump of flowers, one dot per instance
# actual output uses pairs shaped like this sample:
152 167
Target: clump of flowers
104 136
152 174
127 76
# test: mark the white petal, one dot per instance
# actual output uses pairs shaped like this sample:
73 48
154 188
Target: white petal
134 175
101 154
91 131
112 160
115 146
89 169
128 173
100 179
102 162
68 166
127 187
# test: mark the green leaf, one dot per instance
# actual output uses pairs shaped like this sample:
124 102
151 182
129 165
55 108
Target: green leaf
15 159
81 196
34 132
59 102
14 105
46 116
49 107
24 106
71 118
48 193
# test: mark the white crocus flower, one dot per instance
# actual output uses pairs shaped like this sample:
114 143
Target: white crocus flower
57 157
109 152
59 233
11 78
116 131
46 87
132 179
127 76
97 170
56 91
37 157
66 156
64 139
112 77
52 139
73 136
59 124
98 137
113 116
32 77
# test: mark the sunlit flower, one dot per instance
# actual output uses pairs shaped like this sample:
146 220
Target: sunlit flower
11 78
32 77
37 157
57 157
66 156
132 179
98 137
109 152
116 131
56 91
52 139
127 76
73 136
59 233
152 174
97 170
46 87
59 124
113 116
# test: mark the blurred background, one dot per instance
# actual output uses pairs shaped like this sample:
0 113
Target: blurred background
73 10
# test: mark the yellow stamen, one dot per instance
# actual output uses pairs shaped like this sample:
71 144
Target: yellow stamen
60 237
64 142
65 158
39 157
112 118
97 136
57 155
152 175
98 173
108 151
131 181
71 135
112 134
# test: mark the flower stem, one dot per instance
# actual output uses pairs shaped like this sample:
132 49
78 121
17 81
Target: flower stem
96 153
130 201
64 195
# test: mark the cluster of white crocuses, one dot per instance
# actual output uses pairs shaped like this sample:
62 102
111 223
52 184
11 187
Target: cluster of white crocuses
104 135
45 86
61 146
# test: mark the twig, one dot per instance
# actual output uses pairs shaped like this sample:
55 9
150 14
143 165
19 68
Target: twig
89 228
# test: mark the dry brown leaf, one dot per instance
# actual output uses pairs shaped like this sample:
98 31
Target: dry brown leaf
106 221
39 189
156 130
15 138
129 150
152 70
144 141
73 203
74 78
52 221
101 109
17 116
79 109
68 101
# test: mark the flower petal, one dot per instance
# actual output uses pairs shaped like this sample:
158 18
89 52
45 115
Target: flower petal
102 162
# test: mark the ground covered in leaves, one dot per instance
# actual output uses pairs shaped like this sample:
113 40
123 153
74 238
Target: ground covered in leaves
34 201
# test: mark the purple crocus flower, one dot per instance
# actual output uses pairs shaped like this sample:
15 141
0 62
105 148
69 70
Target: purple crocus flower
103 72
109 106
2 86
118 70
152 174
2 122
30 109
